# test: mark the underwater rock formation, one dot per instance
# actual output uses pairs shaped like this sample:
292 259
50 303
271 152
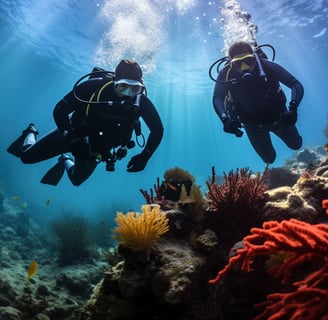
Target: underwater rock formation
54 291
168 283
278 177
302 201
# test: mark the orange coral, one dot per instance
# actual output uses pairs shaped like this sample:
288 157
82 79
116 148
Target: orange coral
308 302
139 231
304 243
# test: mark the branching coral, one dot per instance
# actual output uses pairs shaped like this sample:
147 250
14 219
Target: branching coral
240 189
239 201
301 244
151 197
139 231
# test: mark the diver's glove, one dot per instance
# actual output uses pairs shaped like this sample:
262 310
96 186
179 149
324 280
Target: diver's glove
138 162
289 118
232 126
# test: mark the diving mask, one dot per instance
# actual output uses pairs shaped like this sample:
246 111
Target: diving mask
243 63
128 90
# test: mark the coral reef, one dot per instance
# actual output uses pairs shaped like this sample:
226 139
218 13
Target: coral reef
167 276
139 231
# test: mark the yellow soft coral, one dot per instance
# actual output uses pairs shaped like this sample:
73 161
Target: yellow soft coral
139 231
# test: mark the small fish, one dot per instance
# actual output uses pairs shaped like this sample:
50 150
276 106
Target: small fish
15 198
32 270
24 204
48 202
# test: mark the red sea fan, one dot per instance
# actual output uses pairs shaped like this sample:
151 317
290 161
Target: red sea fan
303 244
241 189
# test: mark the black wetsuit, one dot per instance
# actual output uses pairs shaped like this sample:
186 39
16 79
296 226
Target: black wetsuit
258 102
93 129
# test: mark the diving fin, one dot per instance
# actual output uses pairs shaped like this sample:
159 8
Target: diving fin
16 147
54 174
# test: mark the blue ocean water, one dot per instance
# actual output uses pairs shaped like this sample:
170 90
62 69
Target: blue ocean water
47 45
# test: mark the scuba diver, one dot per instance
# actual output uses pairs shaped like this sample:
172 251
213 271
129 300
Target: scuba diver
248 95
95 122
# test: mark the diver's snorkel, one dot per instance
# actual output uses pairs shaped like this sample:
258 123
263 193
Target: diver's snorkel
258 60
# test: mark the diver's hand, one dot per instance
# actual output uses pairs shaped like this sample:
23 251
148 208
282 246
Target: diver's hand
232 126
289 118
138 162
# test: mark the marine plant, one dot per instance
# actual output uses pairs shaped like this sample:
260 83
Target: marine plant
139 231
74 237
177 174
295 252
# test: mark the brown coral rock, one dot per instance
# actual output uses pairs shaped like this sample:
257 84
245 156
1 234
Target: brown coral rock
302 201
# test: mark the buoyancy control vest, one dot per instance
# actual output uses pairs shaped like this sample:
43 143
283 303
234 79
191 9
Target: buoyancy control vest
255 98
109 123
